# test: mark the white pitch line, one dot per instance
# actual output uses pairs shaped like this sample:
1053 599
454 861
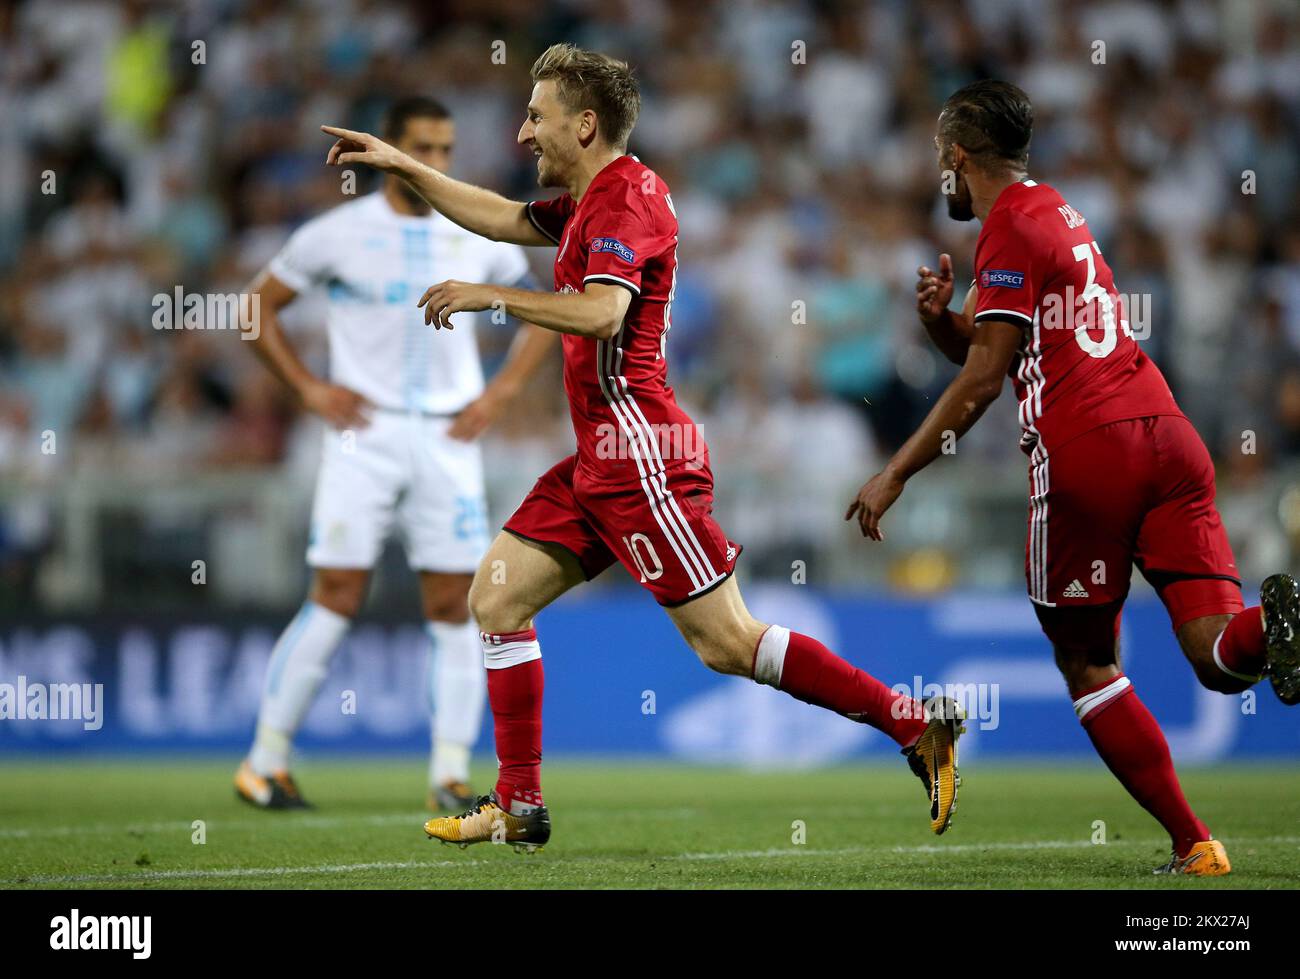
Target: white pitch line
297 821
1027 845
1030 845
803 851
243 872
290 821
791 851
233 872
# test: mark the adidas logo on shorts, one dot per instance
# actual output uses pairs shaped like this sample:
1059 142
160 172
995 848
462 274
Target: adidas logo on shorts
1074 590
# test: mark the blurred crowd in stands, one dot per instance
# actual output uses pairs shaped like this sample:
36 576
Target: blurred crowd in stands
147 145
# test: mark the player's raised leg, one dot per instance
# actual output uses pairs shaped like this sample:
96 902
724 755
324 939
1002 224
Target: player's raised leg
299 664
516 580
728 639
456 686
1234 651
1227 657
1184 551
1231 653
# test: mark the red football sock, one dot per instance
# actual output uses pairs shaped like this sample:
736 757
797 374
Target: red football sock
807 670
1240 650
1131 744
514 681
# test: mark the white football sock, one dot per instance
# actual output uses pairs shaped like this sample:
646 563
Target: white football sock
457 692
1090 702
298 667
448 763
1218 661
769 658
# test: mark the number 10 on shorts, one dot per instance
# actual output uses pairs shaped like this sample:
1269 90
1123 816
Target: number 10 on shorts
634 546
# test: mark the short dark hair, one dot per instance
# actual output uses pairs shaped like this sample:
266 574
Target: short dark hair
588 80
411 107
992 120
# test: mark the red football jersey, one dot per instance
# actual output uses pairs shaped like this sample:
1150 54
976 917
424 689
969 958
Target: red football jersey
1037 264
623 232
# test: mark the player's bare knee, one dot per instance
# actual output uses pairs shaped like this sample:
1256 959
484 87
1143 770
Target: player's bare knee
340 591
482 602
491 606
1197 639
1212 678
1084 668
445 598
452 607
1207 673
724 650
721 657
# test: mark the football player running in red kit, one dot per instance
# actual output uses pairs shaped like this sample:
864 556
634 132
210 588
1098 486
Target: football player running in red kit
1117 474
639 490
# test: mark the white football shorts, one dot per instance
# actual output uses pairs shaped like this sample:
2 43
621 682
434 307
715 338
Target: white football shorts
402 473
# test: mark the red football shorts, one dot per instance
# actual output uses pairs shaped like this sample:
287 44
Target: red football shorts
661 529
1139 491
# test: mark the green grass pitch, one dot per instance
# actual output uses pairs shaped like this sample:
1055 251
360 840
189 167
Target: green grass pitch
129 823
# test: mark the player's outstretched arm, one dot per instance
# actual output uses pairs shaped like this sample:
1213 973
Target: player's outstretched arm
473 208
951 332
339 406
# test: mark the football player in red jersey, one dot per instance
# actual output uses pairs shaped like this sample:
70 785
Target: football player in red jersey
1117 474
639 490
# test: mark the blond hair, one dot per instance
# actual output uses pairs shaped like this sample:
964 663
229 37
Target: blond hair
588 80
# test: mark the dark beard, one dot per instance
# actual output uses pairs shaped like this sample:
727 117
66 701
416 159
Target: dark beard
412 198
959 208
